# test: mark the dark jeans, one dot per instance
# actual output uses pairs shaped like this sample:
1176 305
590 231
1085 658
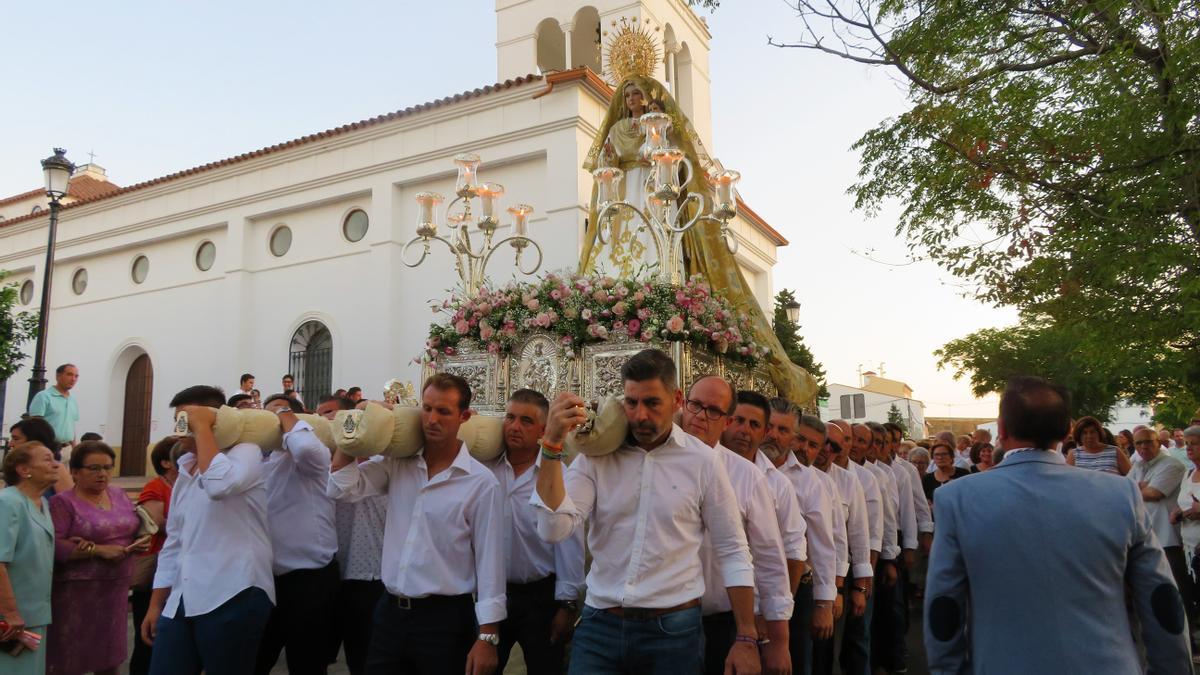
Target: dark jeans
1177 561
899 652
883 621
800 630
855 656
301 621
611 645
221 642
720 632
355 614
432 637
531 610
139 660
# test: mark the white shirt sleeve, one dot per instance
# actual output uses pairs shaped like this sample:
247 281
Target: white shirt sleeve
167 571
822 554
232 472
874 498
311 456
908 513
487 541
568 566
356 481
719 512
858 532
580 486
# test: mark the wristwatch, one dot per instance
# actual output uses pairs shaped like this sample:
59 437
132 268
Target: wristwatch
569 605
492 639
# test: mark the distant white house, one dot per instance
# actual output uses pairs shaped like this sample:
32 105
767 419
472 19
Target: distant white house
872 401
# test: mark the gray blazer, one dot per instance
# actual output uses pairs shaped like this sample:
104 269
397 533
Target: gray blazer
1028 571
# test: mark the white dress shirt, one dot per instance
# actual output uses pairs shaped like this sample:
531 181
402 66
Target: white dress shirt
443 533
300 514
756 506
218 544
817 510
1165 474
889 500
360 527
791 519
874 499
920 504
841 543
906 516
858 529
648 511
530 558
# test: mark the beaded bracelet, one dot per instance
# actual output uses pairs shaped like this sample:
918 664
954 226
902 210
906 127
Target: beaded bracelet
556 456
748 639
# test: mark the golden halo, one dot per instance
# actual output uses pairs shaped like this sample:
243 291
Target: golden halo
631 50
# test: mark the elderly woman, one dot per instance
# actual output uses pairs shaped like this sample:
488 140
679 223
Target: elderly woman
26 552
1092 453
982 457
156 500
944 470
1188 512
94 528
38 430
919 457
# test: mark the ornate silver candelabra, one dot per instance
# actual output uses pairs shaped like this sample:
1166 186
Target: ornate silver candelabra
471 262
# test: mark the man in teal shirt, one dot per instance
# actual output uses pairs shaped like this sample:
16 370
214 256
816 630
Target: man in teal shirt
57 406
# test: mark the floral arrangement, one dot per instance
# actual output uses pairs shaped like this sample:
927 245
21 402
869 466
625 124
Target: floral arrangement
586 309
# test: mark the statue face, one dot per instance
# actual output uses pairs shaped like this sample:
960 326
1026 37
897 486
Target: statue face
635 101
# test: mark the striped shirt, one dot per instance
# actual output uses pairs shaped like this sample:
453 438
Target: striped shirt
1105 460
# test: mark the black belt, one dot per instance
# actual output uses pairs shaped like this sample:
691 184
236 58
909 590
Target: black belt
538 586
806 579
431 601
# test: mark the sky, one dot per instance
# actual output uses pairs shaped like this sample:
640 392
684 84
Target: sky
152 88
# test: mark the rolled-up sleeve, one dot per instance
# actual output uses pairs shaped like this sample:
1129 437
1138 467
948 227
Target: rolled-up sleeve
357 481
568 567
487 541
822 550
232 472
555 525
858 534
775 599
311 455
719 512
167 570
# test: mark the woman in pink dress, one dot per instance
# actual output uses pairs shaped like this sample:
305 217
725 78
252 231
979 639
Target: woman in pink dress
94 529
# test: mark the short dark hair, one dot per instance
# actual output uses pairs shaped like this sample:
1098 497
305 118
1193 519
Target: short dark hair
813 422
246 376
199 394
39 430
86 448
162 453
531 397
287 376
782 405
650 364
291 401
91 436
892 426
726 382
343 402
1088 422
448 381
238 398
977 451
63 368
1035 410
875 427
353 390
746 397
340 393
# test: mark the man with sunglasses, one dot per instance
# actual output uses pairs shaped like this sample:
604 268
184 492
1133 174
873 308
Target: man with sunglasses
705 414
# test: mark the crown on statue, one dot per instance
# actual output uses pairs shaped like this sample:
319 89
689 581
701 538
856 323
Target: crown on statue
631 49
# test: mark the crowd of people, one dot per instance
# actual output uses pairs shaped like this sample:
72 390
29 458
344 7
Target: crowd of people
730 533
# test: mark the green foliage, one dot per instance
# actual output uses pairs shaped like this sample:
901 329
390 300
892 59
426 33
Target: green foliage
1177 411
1050 159
797 352
710 5
16 328
895 417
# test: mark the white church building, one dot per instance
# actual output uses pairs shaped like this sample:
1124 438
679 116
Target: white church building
288 258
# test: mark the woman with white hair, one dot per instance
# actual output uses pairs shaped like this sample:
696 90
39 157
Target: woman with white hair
1188 513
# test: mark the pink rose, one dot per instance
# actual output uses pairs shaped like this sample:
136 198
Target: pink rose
639 298
461 327
556 294
600 295
643 314
449 351
532 304
634 326
542 320
675 324
486 332
586 315
620 308
621 291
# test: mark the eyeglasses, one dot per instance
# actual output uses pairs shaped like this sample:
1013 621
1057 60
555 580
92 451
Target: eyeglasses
712 412
99 468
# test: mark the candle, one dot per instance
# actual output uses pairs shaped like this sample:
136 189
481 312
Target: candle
520 214
426 202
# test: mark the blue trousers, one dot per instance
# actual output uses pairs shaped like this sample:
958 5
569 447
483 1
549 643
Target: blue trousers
605 644
221 642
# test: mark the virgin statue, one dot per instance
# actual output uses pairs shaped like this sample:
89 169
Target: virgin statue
618 144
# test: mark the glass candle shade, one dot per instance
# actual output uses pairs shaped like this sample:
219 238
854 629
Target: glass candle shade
489 194
725 206
608 184
427 213
468 174
520 215
656 125
666 172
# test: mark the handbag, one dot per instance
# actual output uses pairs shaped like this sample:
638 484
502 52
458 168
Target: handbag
147 527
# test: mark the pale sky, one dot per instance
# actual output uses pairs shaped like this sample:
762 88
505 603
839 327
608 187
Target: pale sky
153 88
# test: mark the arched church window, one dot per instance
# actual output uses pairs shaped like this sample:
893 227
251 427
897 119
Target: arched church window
310 361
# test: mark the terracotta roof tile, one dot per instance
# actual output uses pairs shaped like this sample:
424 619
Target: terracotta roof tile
21 197
86 187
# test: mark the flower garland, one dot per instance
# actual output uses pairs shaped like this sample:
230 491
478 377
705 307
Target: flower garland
587 309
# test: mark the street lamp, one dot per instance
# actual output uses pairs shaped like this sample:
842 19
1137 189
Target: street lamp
793 310
57 170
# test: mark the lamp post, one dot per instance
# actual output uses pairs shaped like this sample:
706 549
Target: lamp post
793 311
57 170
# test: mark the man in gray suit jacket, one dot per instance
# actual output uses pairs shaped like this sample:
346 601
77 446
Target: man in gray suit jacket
1030 561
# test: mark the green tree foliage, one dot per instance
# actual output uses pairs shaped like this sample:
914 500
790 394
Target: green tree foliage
788 333
1050 159
895 417
16 328
1177 412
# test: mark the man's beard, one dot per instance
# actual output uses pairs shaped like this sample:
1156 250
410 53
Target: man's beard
771 450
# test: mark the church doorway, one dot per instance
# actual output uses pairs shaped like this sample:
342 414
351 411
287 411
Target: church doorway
135 427
310 361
